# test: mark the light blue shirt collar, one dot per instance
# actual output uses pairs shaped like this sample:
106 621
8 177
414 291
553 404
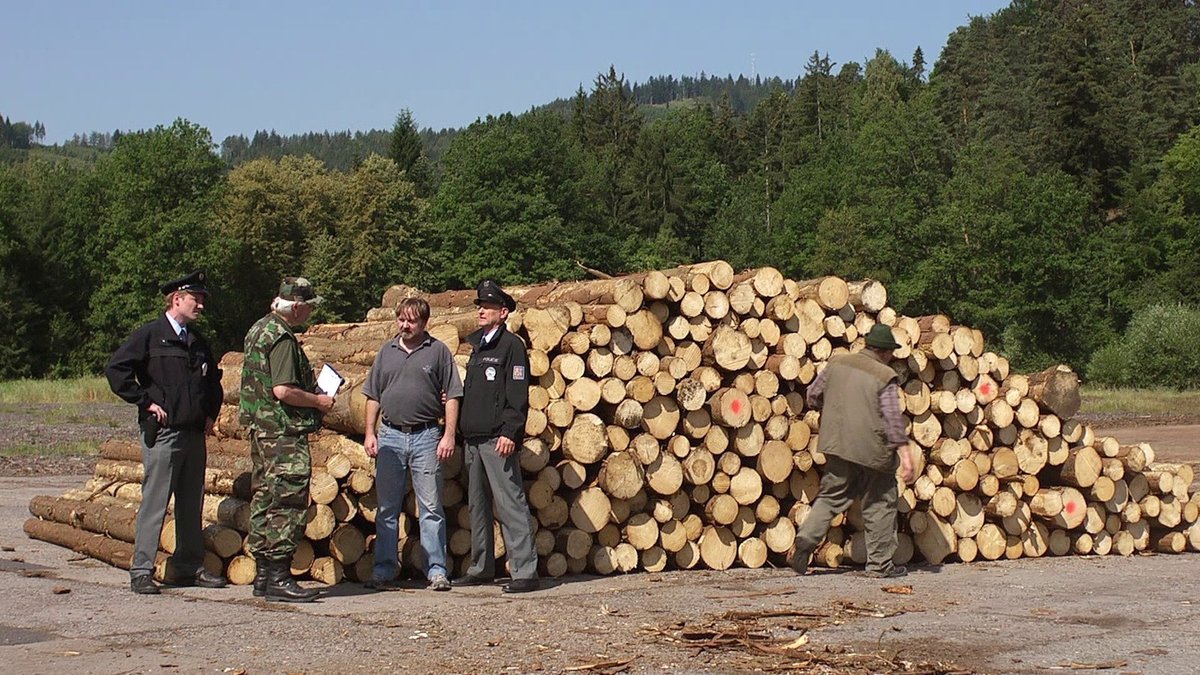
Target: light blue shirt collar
174 324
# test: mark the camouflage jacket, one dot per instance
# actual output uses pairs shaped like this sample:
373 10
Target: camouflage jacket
260 411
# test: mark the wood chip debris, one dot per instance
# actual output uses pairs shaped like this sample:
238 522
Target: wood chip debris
776 640
608 666
1104 665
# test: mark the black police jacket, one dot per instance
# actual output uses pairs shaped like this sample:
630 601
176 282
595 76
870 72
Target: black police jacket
496 390
154 366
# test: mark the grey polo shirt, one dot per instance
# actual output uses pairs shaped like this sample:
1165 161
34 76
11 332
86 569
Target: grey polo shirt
409 386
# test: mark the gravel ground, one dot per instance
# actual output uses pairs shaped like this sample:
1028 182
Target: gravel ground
66 613
61 432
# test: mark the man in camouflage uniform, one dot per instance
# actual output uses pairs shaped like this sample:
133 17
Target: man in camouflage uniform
280 406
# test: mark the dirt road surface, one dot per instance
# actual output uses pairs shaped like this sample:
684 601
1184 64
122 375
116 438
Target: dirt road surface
61 612
64 613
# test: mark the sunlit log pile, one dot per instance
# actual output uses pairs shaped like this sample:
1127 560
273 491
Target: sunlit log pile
668 430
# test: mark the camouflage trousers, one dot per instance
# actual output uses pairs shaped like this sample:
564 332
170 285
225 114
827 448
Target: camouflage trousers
279 481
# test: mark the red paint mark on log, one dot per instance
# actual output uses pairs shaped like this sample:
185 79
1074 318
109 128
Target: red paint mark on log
736 406
1070 507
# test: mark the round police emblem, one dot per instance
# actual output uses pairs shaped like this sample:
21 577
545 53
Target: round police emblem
490 373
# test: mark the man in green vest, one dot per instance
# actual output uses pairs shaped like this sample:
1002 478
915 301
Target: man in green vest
863 439
280 405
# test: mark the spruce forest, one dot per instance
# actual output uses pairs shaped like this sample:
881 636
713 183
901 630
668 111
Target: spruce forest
1040 181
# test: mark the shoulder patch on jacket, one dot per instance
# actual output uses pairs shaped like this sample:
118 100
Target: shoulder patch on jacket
518 372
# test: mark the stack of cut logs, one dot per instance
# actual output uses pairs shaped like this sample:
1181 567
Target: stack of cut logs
668 430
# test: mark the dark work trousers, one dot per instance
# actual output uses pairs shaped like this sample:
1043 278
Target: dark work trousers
173 465
841 484
494 488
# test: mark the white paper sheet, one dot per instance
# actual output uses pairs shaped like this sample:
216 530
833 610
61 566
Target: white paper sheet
329 380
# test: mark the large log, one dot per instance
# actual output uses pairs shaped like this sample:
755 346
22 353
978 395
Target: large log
728 349
1056 390
831 293
867 295
216 481
112 551
110 518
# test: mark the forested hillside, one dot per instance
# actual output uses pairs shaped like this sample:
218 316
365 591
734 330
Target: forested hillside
1041 182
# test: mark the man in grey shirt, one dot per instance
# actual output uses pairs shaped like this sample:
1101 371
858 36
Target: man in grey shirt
414 381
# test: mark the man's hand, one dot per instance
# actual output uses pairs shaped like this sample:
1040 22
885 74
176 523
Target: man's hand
445 448
324 403
158 412
209 423
371 444
505 446
907 470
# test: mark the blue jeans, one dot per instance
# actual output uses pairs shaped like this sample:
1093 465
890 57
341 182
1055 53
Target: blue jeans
399 454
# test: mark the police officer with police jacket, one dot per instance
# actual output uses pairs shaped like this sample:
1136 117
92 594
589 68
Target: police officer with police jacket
167 370
492 422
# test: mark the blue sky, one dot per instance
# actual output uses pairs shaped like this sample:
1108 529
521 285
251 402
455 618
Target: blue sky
237 66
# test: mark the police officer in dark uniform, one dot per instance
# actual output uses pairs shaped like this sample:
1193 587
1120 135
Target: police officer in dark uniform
494 407
168 371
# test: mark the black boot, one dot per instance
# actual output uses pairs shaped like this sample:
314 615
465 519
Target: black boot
260 578
281 587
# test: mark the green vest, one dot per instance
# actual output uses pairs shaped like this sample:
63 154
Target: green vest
851 422
260 411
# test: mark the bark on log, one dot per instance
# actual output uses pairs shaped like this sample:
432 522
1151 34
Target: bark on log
1056 390
112 551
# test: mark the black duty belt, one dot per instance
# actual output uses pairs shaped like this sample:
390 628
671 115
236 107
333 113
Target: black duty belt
410 428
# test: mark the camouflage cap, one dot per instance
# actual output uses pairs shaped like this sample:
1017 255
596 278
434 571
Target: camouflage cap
299 289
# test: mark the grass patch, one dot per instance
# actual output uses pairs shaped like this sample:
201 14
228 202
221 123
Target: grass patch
77 390
74 449
1140 401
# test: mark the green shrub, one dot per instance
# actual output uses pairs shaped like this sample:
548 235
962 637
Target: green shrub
1109 365
1160 348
